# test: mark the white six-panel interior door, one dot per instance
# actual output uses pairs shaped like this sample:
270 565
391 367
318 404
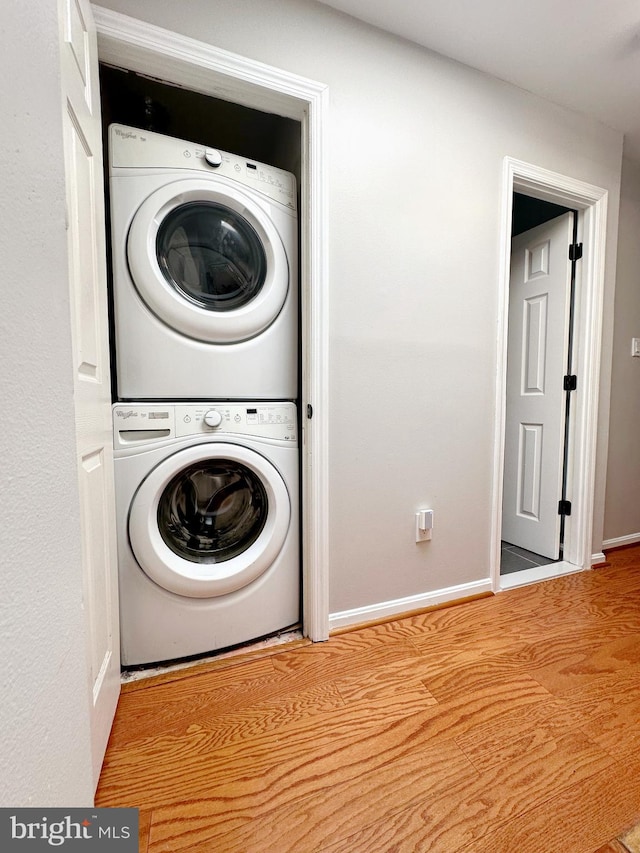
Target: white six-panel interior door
539 303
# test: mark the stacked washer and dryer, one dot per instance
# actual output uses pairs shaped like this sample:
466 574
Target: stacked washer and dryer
205 322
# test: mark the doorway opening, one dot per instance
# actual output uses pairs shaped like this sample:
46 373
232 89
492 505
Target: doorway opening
135 46
542 281
579 468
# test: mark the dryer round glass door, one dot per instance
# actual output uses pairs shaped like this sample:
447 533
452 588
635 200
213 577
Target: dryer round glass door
208 261
209 520
211 255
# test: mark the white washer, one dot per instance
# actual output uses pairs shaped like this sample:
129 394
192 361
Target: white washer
205 272
208 529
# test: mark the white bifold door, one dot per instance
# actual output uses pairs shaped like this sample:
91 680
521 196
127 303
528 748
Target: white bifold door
92 383
538 341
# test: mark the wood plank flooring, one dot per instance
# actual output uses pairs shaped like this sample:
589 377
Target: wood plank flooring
510 723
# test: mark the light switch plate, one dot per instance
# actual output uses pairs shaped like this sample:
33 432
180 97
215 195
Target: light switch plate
635 347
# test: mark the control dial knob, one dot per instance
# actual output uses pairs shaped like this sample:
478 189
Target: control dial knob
213 418
213 157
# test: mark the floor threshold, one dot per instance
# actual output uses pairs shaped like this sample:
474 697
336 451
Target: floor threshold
537 574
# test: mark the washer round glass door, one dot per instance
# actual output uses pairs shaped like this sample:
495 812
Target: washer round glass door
209 520
208 261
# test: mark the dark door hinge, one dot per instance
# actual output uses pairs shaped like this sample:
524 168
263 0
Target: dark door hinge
564 507
570 382
309 411
575 251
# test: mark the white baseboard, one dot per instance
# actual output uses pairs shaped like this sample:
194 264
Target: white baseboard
631 539
598 558
389 609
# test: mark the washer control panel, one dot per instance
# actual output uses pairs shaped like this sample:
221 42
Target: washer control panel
148 423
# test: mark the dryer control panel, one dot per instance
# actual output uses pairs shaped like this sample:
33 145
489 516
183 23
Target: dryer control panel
132 148
148 423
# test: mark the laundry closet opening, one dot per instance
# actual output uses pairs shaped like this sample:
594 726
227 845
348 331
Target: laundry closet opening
207 458
539 385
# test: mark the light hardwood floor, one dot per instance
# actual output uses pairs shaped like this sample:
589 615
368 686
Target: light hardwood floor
510 723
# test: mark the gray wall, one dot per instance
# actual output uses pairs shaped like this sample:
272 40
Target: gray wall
45 757
622 517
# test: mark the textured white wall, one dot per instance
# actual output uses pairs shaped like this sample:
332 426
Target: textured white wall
45 757
416 149
622 517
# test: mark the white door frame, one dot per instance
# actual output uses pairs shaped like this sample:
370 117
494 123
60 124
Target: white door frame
591 203
138 46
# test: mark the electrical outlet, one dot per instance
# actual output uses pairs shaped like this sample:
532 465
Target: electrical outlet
635 347
424 525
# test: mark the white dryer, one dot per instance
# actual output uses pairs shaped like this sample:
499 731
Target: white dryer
208 529
205 272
